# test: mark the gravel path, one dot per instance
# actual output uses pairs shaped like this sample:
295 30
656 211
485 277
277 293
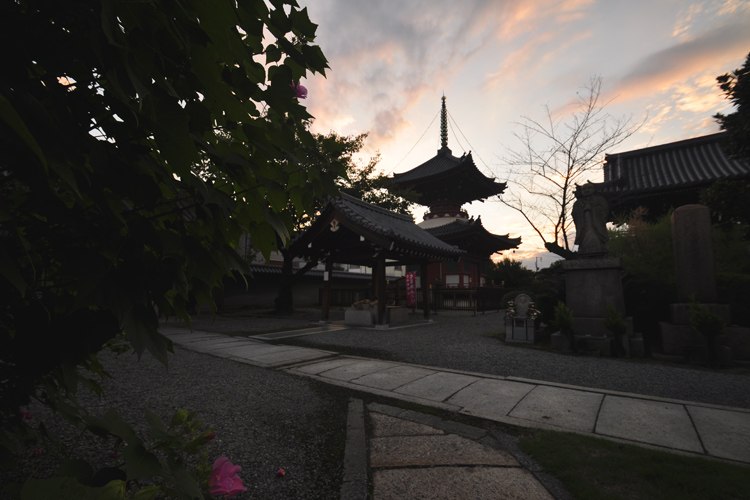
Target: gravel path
264 420
461 342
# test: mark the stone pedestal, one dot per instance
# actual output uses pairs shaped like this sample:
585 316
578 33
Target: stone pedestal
590 285
696 280
359 317
678 335
519 330
396 314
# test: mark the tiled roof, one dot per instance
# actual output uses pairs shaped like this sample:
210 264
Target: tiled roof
397 227
444 167
459 228
689 163
440 163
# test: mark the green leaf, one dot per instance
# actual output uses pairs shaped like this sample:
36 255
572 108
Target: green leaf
113 490
302 23
147 493
179 417
56 488
77 468
141 463
185 482
273 54
14 120
10 271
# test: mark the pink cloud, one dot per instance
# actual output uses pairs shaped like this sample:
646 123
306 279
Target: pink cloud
715 48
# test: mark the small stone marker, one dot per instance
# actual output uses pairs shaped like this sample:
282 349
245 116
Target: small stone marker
522 303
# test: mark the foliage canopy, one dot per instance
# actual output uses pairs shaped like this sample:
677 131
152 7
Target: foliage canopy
736 88
140 140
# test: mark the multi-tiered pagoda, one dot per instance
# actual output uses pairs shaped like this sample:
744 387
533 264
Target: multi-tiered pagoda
444 183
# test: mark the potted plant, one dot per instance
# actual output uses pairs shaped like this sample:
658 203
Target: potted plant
564 321
615 324
710 325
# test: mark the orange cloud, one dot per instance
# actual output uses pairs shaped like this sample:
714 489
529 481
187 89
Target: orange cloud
713 49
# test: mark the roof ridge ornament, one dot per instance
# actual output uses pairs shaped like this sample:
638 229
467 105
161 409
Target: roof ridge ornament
444 127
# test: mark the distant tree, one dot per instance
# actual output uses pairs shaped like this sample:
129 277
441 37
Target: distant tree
509 273
363 182
556 155
721 197
736 88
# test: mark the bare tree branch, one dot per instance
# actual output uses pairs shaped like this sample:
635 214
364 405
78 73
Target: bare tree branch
554 156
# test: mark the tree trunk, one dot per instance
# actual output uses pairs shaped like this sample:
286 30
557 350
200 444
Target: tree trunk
284 301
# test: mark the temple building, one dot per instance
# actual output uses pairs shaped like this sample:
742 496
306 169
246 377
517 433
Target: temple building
444 183
667 176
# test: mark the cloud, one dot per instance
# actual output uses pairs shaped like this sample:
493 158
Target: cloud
686 19
713 48
386 56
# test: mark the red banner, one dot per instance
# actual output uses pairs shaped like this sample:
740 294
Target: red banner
411 289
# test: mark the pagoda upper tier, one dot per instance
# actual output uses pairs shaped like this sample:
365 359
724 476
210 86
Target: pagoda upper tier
445 182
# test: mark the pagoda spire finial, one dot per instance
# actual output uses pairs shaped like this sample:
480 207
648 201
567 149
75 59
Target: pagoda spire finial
444 126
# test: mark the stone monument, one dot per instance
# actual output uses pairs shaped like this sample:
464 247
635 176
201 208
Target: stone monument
594 280
695 278
520 327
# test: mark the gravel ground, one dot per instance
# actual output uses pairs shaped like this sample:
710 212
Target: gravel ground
462 342
264 420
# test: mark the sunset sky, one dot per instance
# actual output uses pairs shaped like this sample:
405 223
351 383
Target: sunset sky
499 60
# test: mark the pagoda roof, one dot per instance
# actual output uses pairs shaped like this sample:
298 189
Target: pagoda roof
445 173
365 232
471 235
668 174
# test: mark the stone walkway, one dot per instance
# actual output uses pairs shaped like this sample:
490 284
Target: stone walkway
405 454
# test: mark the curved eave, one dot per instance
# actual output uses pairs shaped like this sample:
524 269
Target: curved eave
473 236
366 232
475 185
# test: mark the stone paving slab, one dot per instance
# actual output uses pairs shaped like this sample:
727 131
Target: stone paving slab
438 386
393 378
222 343
443 483
490 397
384 425
653 422
289 356
324 366
356 370
435 450
187 337
251 350
566 408
725 434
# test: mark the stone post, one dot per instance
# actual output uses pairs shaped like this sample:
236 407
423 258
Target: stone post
694 254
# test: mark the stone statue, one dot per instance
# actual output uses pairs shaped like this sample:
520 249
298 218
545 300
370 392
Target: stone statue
590 212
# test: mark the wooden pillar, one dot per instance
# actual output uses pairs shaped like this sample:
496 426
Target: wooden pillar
327 289
382 296
425 289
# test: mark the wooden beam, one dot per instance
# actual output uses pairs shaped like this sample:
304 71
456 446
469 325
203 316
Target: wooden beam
327 274
425 289
381 293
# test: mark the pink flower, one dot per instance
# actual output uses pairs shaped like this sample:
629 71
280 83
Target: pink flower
25 415
224 479
280 473
38 452
300 92
210 436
